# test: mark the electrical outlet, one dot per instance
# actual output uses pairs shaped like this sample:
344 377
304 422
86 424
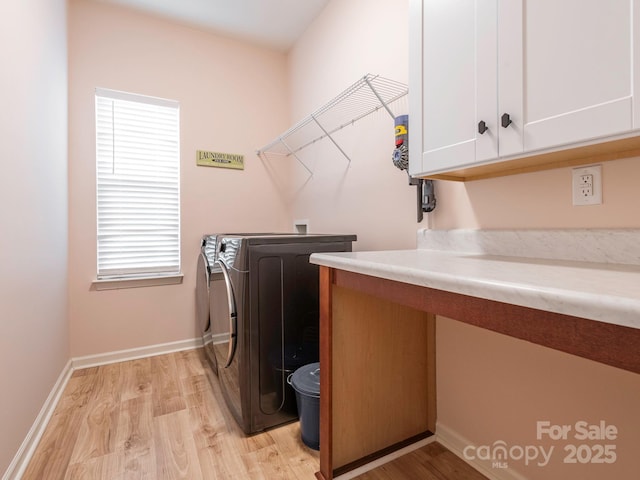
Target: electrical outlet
587 185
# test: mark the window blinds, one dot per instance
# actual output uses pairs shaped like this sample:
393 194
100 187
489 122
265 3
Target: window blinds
138 185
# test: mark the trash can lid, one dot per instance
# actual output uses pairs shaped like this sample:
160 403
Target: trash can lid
306 380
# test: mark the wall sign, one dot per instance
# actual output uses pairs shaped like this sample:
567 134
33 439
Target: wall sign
217 159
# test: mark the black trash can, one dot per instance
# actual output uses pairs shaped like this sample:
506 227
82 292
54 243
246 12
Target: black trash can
306 383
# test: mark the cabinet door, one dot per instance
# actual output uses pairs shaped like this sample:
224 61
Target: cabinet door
448 84
578 70
455 45
510 71
486 65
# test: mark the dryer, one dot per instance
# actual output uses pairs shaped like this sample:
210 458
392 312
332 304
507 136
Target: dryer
269 298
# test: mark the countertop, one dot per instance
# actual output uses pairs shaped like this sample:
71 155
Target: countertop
603 291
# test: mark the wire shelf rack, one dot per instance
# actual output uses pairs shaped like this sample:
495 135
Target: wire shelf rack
366 96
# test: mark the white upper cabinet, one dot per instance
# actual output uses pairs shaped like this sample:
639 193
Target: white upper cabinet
578 70
492 80
449 76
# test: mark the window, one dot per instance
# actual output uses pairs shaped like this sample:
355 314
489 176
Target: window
138 185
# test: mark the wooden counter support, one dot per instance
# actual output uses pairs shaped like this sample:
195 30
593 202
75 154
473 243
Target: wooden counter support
326 367
377 376
377 356
603 342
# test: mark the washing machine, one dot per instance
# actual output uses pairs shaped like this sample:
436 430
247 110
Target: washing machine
212 307
268 299
209 276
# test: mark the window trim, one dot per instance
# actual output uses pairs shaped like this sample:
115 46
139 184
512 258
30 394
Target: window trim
150 278
116 283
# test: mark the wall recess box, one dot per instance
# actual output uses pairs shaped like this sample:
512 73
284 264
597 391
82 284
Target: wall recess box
587 185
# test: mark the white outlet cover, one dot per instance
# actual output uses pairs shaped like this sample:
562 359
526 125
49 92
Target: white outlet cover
578 197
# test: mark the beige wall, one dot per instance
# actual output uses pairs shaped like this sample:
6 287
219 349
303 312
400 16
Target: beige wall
232 99
369 196
539 200
495 388
33 212
491 387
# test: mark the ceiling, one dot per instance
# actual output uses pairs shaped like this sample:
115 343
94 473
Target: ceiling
272 23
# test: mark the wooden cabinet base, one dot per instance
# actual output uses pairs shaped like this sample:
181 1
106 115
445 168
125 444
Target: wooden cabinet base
378 377
381 453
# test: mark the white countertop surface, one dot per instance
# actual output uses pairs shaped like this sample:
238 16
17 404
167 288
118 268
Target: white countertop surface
607 292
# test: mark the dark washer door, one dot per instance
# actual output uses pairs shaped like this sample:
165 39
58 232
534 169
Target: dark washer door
203 310
226 350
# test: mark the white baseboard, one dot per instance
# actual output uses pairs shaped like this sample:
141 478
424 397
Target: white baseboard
20 461
386 459
217 338
25 452
456 443
135 353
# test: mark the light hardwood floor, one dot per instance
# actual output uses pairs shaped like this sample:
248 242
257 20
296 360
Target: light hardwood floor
159 418
163 418
431 462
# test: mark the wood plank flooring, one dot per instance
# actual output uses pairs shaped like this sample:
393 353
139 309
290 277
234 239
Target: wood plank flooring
159 418
164 418
431 462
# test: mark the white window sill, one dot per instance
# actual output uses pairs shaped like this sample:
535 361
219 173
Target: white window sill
135 282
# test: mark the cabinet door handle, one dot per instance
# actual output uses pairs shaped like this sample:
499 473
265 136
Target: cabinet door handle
505 120
482 127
